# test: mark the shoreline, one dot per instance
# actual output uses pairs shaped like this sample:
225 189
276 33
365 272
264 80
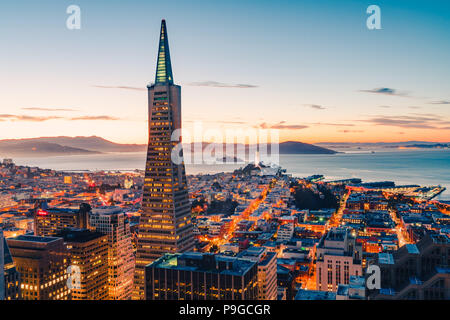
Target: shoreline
425 167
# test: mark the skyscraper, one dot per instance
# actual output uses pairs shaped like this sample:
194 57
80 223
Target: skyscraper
339 256
89 252
50 221
113 222
267 271
42 263
201 276
165 223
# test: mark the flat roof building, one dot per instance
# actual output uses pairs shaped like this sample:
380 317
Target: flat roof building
267 271
339 256
42 263
51 221
201 276
418 271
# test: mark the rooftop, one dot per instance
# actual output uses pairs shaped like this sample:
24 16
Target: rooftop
204 262
385 258
79 235
107 210
314 295
36 239
412 248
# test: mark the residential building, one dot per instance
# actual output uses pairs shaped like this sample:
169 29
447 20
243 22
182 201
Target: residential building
285 232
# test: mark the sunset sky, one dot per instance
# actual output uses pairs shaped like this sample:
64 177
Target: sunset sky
309 68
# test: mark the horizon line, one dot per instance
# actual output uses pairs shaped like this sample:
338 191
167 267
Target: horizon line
203 141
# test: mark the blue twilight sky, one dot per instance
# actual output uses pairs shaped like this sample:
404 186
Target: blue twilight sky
310 68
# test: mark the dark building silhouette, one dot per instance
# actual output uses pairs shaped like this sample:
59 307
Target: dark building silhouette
201 276
416 271
10 278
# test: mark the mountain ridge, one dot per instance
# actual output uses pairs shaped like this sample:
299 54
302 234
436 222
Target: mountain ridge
64 145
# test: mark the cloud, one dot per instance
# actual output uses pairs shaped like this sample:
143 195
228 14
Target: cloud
95 118
351 131
13 117
315 106
389 107
282 126
216 84
386 91
333 124
48 109
440 102
230 122
120 87
415 120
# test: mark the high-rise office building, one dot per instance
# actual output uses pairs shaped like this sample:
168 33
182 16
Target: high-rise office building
201 276
165 223
339 256
42 263
50 221
89 252
113 222
267 271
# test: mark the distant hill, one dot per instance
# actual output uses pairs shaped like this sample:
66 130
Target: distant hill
19 148
52 146
58 146
428 146
288 147
349 146
295 147
92 143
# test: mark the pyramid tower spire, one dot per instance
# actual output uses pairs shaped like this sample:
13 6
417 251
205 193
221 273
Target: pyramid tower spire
163 67
165 223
